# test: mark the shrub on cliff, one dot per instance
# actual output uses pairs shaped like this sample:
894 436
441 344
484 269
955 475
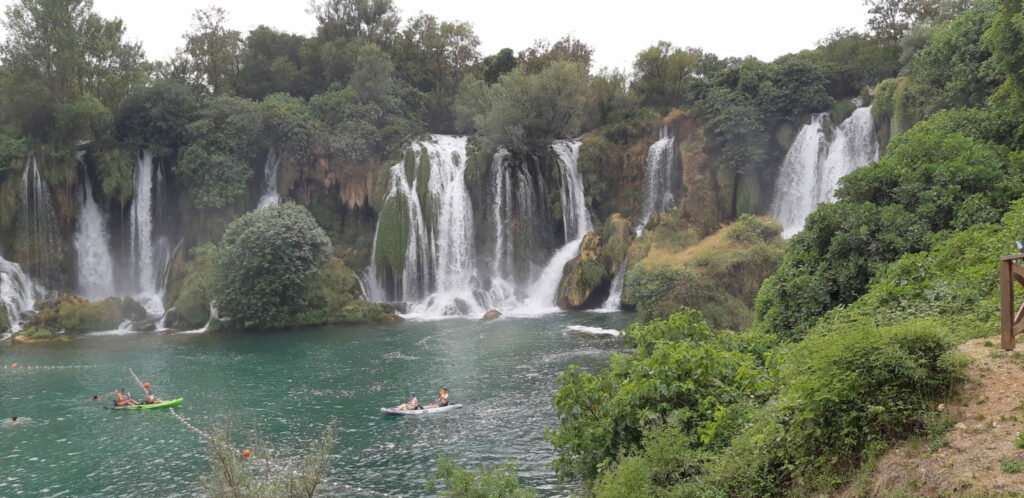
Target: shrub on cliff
263 264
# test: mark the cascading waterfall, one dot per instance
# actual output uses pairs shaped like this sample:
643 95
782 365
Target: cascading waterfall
431 195
270 197
814 165
440 274
92 248
576 221
18 292
38 220
144 257
658 168
614 301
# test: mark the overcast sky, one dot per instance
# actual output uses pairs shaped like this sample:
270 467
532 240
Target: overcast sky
616 30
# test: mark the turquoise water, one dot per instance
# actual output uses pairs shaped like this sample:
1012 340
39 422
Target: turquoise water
289 386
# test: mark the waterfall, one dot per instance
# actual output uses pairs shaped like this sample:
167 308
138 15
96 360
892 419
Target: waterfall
92 248
577 223
658 171
270 197
439 265
143 250
18 292
440 274
38 221
814 164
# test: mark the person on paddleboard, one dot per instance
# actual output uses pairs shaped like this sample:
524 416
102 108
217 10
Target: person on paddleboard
442 399
412 404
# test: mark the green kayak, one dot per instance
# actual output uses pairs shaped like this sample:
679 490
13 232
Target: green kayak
165 404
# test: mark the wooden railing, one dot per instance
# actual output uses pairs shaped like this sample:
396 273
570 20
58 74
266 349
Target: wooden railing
1011 318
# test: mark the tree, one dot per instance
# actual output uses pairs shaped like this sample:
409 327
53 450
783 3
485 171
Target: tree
527 111
157 118
272 61
1006 41
265 260
372 20
58 51
666 76
891 19
434 57
212 50
567 49
498 64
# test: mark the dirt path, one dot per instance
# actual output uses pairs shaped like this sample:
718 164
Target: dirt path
978 456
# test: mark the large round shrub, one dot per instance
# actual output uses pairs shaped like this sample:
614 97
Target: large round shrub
264 262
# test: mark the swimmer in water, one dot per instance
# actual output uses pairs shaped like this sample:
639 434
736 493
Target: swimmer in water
14 420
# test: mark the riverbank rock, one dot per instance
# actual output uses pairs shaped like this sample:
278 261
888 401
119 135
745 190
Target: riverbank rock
492 315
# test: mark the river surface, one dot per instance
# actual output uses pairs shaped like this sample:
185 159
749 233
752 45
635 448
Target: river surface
289 386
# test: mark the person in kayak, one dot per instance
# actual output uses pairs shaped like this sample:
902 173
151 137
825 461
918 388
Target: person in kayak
412 404
151 398
122 398
442 399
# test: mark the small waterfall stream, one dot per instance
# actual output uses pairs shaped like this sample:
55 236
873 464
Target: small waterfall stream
92 247
18 292
658 169
270 196
814 164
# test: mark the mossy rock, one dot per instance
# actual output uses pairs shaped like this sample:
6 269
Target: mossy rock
5 321
87 316
37 335
583 274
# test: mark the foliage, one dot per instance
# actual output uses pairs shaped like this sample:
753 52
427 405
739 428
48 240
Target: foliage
1005 39
333 295
222 141
750 229
671 378
490 481
265 260
5 320
526 111
157 118
212 51
264 473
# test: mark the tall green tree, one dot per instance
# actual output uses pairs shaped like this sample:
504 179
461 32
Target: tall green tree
57 52
212 51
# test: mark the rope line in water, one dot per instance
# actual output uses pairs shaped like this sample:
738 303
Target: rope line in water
207 437
17 366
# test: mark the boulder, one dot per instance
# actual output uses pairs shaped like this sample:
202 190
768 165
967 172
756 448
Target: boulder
132 310
492 315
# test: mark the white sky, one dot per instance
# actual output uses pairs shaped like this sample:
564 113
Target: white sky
616 30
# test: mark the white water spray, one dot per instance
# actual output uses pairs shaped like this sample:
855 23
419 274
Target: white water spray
658 169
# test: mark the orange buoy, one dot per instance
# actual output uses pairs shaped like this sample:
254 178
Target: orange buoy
14 365
246 453
146 385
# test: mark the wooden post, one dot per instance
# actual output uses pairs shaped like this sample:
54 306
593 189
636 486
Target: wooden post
1006 304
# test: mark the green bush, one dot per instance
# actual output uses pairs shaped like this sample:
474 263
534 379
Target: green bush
333 296
603 416
750 229
197 289
488 482
263 265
